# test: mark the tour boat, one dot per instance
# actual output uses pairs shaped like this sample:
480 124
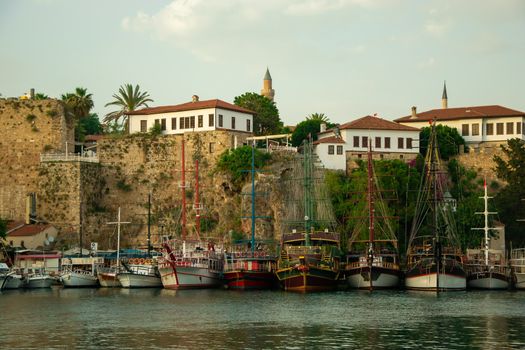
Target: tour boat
108 276
372 261
309 252
80 272
486 267
251 264
434 258
38 278
517 264
15 280
191 264
139 273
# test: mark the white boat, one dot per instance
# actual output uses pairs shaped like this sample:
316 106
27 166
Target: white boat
434 258
195 265
38 278
80 272
15 280
139 273
5 272
517 264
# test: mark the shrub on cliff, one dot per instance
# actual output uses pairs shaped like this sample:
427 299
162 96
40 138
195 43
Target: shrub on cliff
238 162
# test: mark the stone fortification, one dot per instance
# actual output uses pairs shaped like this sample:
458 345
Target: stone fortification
481 158
29 128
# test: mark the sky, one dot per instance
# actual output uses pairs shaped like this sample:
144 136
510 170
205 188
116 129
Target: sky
343 58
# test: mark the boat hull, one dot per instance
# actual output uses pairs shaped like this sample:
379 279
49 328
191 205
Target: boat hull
249 280
452 278
188 277
3 281
14 282
488 280
312 279
131 280
108 279
75 280
377 278
519 279
39 282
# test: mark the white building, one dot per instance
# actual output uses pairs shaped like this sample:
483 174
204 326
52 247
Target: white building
337 147
478 124
193 116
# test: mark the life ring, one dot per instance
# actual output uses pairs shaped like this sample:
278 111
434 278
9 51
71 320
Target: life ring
141 261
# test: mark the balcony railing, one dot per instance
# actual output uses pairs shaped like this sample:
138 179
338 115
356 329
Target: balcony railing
68 157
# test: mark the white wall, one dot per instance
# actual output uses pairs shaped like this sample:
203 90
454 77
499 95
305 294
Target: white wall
372 134
240 120
457 124
331 161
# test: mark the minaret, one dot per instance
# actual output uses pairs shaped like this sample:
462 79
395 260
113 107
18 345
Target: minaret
444 99
267 90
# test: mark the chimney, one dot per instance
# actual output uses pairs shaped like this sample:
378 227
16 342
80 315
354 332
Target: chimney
322 127
414 113
195 98
32 93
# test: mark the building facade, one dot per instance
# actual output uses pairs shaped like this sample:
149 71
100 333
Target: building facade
194 116
337 148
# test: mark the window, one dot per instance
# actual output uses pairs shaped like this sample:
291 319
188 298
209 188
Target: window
356 141
220 120
510 128
212 147
523 129
163 124
387 142
211 118
400 156
181 123
233 122
339 149
499 128
378 142
186 122
330 149
173 123
464 129
475 129
200 121
143 126
489 129
365 141
157 122
409 143
192 122
518 128
359 156
400 143
248 125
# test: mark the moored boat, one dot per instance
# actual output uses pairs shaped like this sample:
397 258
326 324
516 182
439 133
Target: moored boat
80 272
107 277
517 263
38 278
434 258
15 280
139 273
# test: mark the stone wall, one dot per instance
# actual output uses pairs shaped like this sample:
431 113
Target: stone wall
481 158
28 128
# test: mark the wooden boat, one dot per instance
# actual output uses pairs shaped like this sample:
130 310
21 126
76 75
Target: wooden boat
108 275
80 272
486 267
309 252
251 264
434 259
139 273
372 262
517 263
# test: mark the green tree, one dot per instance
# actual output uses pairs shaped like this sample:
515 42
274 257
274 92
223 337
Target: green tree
318 116
510 200
88 126
266 120
305 128
236 162
3 229
448 140
127 100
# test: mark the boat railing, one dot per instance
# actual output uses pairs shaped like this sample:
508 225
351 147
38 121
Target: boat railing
385 264
481 267
261 266
314 236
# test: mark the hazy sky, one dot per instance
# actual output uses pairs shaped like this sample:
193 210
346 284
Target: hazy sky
344 58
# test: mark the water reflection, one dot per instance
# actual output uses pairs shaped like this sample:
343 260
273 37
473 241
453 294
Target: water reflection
195 319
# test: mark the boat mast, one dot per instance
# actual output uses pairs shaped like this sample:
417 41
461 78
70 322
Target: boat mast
197 204
370 195
308 203
149 224
486 228
118 223
253 198
183 193
433 171
80 229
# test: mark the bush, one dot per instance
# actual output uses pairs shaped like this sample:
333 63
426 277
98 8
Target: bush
237 163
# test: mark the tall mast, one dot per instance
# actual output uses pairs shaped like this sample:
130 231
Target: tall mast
183 193
253 198
434 179
308 203
149 223
197 204
118 223
370 195
486 228
80 231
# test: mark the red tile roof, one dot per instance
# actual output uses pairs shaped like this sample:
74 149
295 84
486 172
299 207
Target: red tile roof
93 137
331 139
463 113
27 230
190 106
374 123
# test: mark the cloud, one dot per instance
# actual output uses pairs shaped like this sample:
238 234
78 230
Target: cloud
426 63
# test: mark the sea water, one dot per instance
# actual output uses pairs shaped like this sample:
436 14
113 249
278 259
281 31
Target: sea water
221 319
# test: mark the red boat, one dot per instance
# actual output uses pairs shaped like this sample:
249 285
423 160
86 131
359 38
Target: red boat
249 270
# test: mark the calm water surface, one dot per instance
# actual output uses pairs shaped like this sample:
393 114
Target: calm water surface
219 319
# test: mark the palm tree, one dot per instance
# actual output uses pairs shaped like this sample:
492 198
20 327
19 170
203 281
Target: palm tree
41 96
128 99
79 103
318 116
